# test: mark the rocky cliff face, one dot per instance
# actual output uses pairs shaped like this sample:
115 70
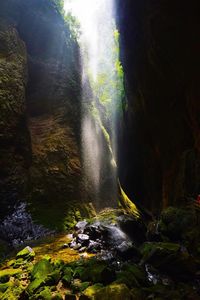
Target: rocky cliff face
40 110
14 138
160 162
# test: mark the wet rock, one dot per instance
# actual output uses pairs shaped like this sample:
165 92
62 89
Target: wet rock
94 231
90 292
82 249
176 222
113 291
94 247
170 258
65 246
113 235
27 254
19 227
153 234
133 227
127 250
77 246
83 239
7 273
131 275
80 226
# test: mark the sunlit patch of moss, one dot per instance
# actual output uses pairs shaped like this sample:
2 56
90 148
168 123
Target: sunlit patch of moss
109 215
53 247
127 204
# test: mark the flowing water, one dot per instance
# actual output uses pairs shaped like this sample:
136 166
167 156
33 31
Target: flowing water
101 94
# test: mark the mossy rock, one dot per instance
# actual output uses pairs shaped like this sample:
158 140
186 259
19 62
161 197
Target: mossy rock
175 222
170 258
45 294
12 293
53 278
113 291
131 275
42 269
160 250
79 286
7 273
91 291
95 271
4 286
26 254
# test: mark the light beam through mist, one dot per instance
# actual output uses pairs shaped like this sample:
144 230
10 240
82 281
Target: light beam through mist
100 73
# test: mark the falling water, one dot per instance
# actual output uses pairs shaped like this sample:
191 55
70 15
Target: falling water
99 97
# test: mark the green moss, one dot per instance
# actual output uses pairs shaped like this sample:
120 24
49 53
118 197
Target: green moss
94 271
113 291
4 286
45 294
39 275
7 273
131 275
27 254
92 290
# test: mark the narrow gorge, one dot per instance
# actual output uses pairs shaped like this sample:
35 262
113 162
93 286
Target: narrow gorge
100 150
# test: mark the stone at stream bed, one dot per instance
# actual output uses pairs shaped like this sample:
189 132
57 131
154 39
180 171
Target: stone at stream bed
83 239
26 254
170 258
80 226
133 227
127 250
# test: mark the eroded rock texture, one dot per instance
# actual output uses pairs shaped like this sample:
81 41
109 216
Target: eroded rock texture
14 137
160 161
40 112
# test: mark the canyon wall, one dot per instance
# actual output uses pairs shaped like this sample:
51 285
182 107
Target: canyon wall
160 137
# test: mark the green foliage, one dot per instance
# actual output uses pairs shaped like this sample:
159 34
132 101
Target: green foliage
60 5
73 24
71 21
109 85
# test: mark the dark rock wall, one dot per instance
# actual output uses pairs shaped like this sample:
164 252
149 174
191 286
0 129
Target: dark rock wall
14 138
159 162
40 114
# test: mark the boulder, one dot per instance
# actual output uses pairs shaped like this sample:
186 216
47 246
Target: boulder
113 291
26 254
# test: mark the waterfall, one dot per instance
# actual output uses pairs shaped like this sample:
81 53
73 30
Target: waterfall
102 84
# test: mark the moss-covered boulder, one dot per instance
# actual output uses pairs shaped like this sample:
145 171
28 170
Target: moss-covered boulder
90 292
7 273
131 275
176 222
26 254
95 271
170 258
114 291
